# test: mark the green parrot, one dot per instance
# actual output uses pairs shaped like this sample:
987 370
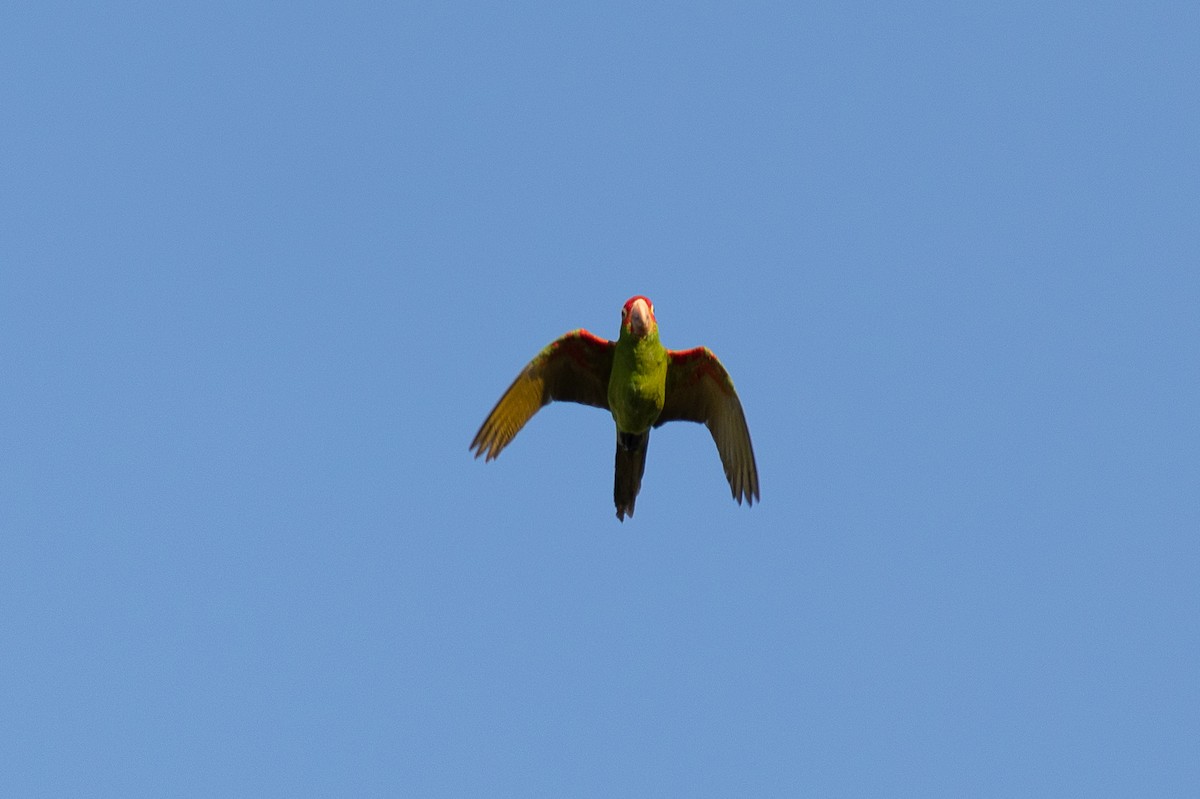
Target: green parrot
643 384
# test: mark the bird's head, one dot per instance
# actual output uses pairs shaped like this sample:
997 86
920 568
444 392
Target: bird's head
637 316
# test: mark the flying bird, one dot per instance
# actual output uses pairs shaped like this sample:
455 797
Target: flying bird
644 385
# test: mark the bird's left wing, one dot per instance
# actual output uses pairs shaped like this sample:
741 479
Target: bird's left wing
699 390
574 368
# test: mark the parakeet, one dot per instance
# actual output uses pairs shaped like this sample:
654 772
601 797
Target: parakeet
643 385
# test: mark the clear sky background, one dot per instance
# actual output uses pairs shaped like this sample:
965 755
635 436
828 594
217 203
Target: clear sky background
264 269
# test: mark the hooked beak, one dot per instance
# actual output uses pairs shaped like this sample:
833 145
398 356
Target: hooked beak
640 318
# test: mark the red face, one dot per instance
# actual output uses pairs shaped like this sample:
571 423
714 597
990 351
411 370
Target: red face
638 315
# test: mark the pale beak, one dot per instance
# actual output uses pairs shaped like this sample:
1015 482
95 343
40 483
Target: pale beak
639 318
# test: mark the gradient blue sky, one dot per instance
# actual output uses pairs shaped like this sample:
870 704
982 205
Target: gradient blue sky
264 268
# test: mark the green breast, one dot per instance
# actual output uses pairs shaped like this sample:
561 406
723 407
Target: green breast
638 384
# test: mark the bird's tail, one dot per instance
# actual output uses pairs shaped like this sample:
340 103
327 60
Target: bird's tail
631 463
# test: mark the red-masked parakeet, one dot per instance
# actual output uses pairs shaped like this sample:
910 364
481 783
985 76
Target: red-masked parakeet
643 385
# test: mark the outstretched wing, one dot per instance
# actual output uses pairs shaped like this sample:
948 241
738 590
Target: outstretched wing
699 390
573 368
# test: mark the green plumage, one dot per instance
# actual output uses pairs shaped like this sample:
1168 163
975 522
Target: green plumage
643 385
637 387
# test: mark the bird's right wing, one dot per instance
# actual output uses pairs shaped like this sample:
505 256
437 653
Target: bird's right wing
574 368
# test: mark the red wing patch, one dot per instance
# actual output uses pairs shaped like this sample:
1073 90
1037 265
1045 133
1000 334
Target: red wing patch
700 362
580 346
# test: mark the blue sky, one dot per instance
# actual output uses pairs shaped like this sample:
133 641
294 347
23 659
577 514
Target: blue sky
264 268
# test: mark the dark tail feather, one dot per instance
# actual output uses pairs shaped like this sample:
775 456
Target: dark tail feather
631 463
